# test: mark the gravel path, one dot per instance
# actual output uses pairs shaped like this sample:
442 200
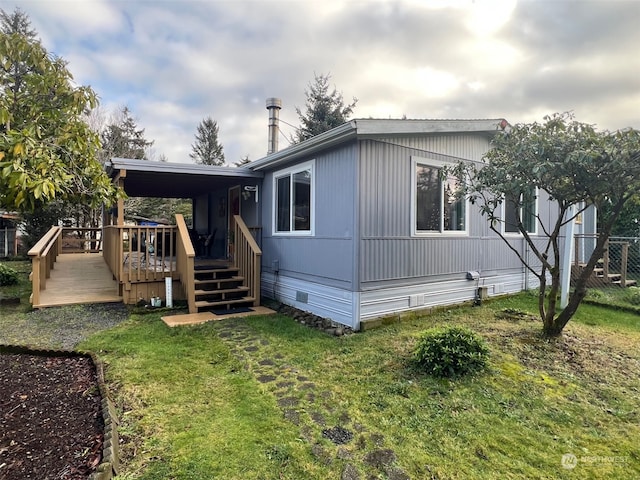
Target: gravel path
60 327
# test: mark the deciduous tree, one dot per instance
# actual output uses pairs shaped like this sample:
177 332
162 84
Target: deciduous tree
47 151
577 166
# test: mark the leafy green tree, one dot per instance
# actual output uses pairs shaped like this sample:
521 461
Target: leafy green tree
47 151
628 224
207 149
325 109
576 165
36 223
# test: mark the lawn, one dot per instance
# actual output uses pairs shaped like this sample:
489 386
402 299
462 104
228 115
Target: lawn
267 398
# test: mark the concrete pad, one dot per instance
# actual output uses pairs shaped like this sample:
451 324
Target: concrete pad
203 317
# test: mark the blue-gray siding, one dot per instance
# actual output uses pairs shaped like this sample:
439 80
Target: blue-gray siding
389 255
363 261
329 257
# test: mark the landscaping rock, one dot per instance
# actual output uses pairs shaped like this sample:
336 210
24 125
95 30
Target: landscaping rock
321 454
350 473
380 458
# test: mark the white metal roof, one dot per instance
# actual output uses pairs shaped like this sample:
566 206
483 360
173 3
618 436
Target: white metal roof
369 128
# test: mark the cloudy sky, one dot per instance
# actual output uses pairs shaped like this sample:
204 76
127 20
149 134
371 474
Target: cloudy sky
175 62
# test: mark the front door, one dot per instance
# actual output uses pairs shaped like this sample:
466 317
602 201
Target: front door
234 209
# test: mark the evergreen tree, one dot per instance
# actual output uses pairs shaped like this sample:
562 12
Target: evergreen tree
207 150
243 161
122 138
17 22
325 109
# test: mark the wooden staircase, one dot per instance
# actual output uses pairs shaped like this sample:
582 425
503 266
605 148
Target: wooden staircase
602 275
220 288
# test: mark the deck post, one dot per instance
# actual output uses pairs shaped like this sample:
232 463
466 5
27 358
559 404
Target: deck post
623 266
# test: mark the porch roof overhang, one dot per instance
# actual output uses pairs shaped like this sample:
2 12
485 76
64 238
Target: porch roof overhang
146 178
377 128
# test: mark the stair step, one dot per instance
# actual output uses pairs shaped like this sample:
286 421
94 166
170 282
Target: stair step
211 281
223 291
208 271
219 303
628 283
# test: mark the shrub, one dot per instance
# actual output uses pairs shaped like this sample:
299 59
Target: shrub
8 276
633 295
450 352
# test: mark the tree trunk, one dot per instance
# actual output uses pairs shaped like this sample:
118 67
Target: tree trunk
554 327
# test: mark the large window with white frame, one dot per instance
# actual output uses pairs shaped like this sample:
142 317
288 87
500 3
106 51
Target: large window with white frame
294 200
437 208
524 207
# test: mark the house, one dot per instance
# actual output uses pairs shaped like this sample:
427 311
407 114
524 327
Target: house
8 234
355 223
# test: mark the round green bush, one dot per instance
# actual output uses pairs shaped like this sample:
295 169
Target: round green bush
450 352
8 276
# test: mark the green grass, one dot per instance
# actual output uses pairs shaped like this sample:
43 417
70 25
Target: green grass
190 409
600 313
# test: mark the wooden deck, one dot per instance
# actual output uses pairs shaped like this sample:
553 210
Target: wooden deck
79 278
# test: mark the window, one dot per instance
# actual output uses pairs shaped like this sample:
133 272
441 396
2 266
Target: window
294 200
436 207
525 207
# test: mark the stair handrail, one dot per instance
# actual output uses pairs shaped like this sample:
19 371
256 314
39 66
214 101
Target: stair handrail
185 260
43 257
247 258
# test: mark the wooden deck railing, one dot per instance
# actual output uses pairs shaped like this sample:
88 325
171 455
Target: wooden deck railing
81 239
43 257
140 253
185 259
247 257
112 250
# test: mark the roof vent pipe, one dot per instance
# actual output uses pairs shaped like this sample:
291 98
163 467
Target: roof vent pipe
273 105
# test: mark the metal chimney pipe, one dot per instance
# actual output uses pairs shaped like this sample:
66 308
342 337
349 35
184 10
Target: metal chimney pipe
273 105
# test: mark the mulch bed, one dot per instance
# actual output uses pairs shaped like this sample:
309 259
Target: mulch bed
51 424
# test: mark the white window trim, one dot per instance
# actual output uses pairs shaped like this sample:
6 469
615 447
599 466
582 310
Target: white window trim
414 192
519 233
310 165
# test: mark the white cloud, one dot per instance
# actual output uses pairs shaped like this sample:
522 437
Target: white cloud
175 62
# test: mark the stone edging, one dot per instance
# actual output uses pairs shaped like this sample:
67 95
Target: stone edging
110 463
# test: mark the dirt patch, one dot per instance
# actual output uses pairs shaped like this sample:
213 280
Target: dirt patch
51 425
